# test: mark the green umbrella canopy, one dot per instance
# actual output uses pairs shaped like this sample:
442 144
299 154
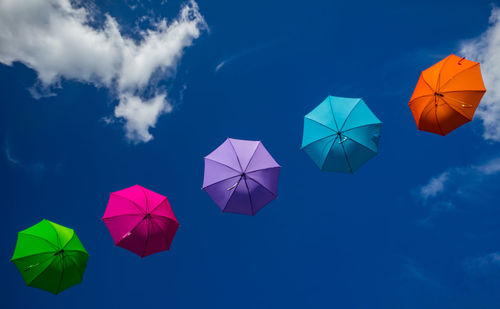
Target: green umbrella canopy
50 256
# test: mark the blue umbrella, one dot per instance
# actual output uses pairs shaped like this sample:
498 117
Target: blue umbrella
341 134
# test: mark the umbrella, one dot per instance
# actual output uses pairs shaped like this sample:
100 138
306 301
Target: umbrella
447 95
241 176
341 134
140 220
50 257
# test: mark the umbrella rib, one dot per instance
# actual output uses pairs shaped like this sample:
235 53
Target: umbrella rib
251 158
72 259
146 197
162 201
31 281
117 216
132 202
346 158
420 97
224 164
32 255
262 185
456 109
321 123
349 115
459 73
131 231
428 85
438 86
236 154
262 169
57 235
437 119
249 196
230 197
444 92
28 234
62 276
355 141
334 134
220 181
422 113
147 240
365 125
333 114
326 157
161 232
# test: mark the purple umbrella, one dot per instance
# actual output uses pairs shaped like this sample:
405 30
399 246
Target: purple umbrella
241 176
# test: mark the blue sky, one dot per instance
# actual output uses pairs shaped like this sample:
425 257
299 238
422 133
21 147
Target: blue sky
92 104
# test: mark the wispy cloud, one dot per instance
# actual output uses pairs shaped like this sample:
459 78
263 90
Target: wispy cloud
441 192
37 167
416 272
485 49
57 39
488 265
244 53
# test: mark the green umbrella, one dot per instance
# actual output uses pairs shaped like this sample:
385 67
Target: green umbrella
50 256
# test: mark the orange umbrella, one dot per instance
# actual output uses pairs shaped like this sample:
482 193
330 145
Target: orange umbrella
447 95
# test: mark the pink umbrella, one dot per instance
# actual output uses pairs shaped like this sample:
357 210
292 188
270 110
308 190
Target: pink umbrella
140 220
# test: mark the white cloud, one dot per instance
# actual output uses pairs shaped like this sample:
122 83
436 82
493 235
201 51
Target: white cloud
435 186
485 49
55 38
141 115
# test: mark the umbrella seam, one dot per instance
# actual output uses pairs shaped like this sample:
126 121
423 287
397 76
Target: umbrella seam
436 114
346 158
220 181
131 231
249 196
57 235
456 109
31 255
44 270
334 130
162 201
326 157
71 258
62 276
253 154
438 83
117 216
359 143
231 196
132 202
334 134
262 169
53 245
349 115
421 114
274 194
147 240
161 233
236 154
223 164
146 197
459 73
365 125
333 114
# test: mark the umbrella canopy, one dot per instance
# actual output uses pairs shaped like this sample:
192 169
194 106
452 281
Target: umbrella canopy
341 134
140 220
241 176
447 95
50 257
